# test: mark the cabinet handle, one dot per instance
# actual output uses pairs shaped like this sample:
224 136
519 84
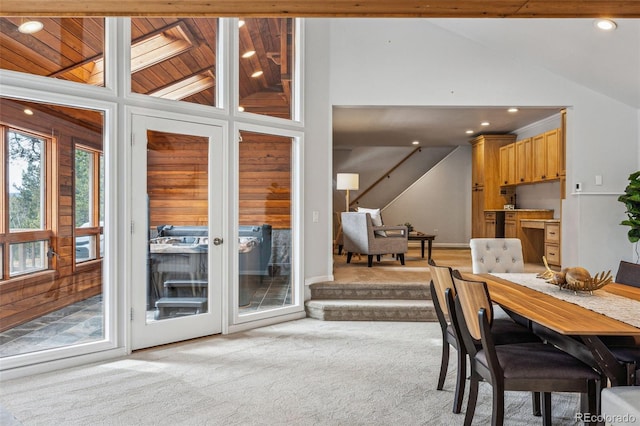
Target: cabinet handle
521 179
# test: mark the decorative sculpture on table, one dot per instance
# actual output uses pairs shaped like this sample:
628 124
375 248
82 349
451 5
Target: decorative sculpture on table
575 278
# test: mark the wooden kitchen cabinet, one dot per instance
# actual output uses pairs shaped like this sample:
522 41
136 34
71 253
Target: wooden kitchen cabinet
552 243
477 213
485 174
524 161
547 156
508 165
510 225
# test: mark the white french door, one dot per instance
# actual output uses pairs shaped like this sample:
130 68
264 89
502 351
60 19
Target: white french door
177 245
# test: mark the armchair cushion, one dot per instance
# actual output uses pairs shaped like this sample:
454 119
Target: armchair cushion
376 219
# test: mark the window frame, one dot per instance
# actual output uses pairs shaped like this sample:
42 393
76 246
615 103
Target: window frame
95 230
7 238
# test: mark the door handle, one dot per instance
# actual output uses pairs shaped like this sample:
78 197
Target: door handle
217 241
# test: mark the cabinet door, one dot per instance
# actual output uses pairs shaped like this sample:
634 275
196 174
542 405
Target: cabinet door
504 166
524 163
508 164
477 213
477 164
539 156
552 147
490 224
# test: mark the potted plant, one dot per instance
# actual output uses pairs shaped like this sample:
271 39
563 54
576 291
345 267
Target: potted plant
631 200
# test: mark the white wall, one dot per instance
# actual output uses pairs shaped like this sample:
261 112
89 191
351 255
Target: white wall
414 62
317 193
439 202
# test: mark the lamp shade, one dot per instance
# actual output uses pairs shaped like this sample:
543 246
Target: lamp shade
348 181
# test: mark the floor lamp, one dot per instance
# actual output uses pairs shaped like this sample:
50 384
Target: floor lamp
347 181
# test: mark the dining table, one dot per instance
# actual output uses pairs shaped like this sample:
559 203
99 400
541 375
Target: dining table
579 317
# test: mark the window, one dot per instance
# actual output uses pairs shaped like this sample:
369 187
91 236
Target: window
65 48
266 66
24 193
88 204
174 58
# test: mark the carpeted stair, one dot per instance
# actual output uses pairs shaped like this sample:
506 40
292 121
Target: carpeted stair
331 301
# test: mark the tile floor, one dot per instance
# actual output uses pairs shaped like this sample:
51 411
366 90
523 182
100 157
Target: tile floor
82 322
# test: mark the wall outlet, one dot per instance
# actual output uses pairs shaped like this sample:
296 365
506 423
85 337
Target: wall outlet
315 216
579 187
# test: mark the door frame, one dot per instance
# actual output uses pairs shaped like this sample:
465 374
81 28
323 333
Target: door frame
200 325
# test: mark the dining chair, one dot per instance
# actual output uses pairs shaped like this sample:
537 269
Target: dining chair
628 274
442 294
490 255
533 366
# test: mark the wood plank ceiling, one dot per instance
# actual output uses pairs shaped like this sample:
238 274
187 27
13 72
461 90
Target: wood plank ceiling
316 8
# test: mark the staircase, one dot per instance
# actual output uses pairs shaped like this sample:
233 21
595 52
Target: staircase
331 301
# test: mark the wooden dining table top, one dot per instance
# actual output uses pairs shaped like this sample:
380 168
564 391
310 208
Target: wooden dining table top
558 315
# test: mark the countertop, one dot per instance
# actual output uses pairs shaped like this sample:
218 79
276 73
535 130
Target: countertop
518 210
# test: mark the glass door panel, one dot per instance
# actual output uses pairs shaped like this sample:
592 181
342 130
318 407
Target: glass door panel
264 222
172 246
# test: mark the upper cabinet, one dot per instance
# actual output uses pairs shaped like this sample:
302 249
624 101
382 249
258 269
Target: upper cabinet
546 156
540 158
524 161
508 164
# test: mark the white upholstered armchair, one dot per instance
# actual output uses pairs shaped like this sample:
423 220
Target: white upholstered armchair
360 236
496 255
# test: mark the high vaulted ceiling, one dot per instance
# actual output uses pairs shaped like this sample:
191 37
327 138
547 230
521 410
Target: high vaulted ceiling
308 8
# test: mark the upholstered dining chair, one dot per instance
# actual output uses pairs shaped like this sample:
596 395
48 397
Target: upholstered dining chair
628 274
360 236
496 255
505 330
535 367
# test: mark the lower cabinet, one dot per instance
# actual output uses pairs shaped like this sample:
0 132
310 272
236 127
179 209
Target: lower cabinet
552 243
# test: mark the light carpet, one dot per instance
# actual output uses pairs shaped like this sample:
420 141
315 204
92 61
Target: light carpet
304 372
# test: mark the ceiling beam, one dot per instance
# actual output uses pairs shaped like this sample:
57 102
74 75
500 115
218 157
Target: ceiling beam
323 8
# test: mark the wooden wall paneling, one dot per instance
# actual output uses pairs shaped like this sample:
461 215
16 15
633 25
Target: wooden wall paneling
177 179
265 180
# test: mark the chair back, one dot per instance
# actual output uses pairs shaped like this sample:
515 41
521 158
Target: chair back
472 296
357 231
442 280
496 255
628 273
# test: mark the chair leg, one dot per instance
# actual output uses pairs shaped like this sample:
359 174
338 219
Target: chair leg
369 260
546 409
444 363
535 403
461 379
497 414
471 403
593 390
378 257
349 257
401 256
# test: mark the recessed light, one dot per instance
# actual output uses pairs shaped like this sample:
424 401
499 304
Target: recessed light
605 24
415 143
248 53
240 108
469 132
256 74
241 23
512 110
28 111
485 123
30 27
